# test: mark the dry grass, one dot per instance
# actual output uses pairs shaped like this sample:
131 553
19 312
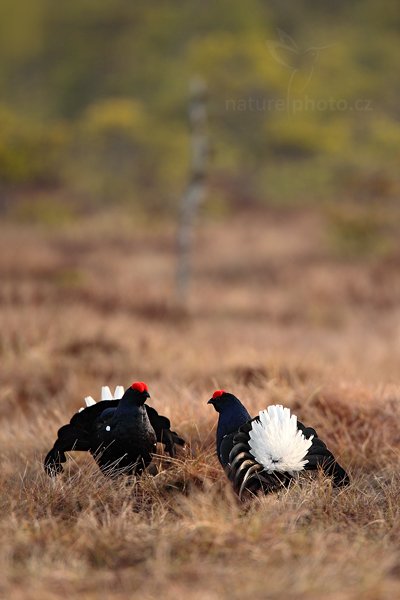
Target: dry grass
276 317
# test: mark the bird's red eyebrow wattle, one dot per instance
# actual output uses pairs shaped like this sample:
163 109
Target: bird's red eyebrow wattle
140 386
218 393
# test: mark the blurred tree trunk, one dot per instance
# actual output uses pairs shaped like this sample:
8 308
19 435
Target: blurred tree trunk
195 191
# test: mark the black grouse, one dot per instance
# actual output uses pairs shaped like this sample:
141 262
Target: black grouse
265 453
120 432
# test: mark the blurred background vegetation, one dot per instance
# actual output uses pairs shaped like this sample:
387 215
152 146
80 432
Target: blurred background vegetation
303 107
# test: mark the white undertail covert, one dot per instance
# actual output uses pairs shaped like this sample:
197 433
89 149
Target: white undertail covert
276 443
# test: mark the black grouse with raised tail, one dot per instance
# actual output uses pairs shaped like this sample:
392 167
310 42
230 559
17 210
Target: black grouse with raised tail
265 453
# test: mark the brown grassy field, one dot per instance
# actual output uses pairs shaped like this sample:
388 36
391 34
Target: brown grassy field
277 315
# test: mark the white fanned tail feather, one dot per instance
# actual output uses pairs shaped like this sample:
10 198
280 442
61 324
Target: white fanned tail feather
276 443
89 401
106 394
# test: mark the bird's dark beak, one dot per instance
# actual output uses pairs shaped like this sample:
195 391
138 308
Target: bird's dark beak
141 399
211 401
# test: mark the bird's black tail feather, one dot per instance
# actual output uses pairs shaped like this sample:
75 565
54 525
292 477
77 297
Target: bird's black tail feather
69 437
164 434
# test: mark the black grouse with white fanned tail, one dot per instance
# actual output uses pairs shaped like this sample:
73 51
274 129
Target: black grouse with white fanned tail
265 453
120 431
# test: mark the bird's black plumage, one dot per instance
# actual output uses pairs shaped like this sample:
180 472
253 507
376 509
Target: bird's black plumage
243 470
120 434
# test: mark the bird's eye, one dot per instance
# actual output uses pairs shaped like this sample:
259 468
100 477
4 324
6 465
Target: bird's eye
108 428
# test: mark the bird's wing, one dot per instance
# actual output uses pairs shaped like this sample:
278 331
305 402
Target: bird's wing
318 456
76 435
225 448
162 429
